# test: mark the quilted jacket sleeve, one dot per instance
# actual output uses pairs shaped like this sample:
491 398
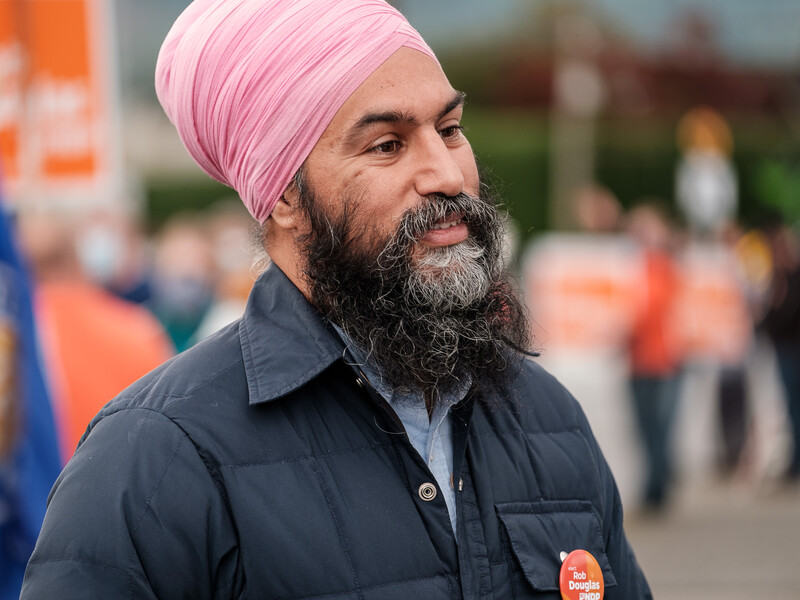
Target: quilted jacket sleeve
135 514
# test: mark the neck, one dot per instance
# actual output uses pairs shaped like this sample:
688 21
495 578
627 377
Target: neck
284 254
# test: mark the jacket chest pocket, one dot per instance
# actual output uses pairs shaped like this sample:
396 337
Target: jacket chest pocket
538 532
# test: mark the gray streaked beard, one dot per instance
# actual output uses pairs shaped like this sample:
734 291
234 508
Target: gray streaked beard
426 316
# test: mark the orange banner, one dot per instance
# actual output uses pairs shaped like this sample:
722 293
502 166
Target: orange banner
584 292
11 108
712 310
62 144
63 92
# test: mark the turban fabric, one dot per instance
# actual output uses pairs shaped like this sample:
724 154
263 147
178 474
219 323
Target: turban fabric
251 85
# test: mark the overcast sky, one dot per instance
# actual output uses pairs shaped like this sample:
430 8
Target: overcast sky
763 31
755 31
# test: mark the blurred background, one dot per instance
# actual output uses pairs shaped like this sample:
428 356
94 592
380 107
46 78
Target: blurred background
648 153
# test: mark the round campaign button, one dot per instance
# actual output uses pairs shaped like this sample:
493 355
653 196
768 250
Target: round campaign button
581 577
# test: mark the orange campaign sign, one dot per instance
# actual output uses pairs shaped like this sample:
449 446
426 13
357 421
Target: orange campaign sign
712 311
582 290
11 107
584 293
62 143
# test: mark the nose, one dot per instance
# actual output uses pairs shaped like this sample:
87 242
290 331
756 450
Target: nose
438 171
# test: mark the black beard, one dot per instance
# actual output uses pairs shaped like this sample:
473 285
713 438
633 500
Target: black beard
426 316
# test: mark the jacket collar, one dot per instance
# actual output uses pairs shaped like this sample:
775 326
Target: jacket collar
285 341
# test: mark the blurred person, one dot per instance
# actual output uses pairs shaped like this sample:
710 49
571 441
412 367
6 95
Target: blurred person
706 184
183 278
94 343
113 253
596 209
654 350
229 230
781 322
734 409
29 454
373 426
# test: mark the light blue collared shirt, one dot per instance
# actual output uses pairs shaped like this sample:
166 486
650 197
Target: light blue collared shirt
431 437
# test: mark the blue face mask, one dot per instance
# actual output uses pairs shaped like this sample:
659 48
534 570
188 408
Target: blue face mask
100 254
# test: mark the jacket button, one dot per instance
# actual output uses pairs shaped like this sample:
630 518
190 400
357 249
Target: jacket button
427 491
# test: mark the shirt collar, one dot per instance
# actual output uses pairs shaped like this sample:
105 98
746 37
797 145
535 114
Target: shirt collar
285 341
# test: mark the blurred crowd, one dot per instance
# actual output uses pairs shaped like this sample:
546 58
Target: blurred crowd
662 298
113 303
88 304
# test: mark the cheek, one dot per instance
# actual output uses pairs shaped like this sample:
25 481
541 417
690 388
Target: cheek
381 202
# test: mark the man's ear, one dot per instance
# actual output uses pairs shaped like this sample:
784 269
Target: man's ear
284 227
287 214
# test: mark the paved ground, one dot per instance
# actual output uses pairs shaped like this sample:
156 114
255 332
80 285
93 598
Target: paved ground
722 542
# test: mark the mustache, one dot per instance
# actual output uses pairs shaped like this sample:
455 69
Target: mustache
435 208
484 222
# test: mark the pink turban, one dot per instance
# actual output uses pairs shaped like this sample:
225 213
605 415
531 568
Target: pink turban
251 85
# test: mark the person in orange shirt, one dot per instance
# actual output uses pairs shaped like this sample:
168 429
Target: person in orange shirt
94 343
653 349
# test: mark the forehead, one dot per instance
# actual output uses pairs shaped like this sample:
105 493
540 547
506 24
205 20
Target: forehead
408 82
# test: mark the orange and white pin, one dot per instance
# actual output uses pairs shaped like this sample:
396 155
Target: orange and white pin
581 577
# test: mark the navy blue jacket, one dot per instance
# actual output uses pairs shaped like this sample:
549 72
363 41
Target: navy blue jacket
259 465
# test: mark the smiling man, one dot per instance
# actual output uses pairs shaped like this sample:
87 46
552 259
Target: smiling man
374 426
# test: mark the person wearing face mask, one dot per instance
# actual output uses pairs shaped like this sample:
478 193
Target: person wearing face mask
94 343
182 282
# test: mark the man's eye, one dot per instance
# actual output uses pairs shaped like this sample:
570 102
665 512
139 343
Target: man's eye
451 133
386 147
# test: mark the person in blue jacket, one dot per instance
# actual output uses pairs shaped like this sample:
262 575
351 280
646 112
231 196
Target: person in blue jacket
374 426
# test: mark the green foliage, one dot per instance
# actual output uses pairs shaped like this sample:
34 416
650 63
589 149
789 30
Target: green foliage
777 184
169 196
511 148
634 158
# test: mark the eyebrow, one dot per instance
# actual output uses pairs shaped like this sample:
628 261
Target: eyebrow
393 116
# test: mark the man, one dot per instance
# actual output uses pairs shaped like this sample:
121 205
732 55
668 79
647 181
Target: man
370 428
